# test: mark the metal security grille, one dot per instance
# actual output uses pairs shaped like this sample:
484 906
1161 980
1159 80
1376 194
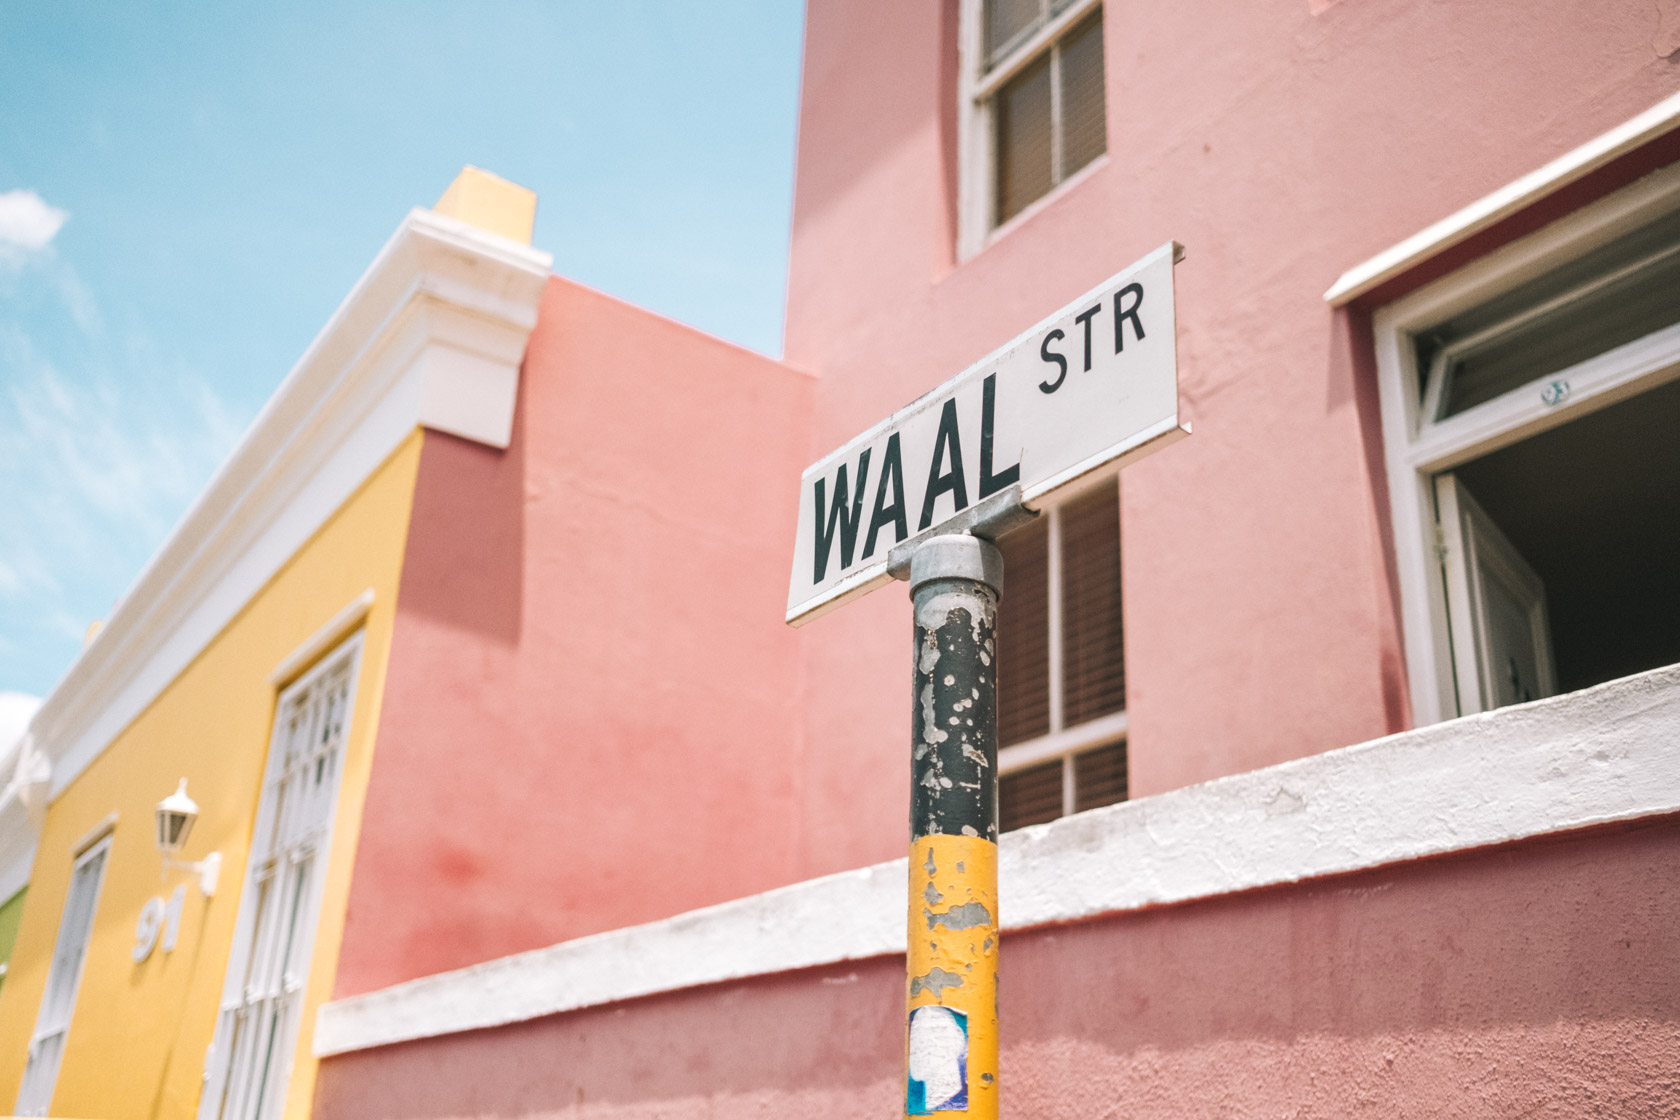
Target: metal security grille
251 1059
64 977
1061 663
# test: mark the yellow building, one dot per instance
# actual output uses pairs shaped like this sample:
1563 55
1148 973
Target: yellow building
247 659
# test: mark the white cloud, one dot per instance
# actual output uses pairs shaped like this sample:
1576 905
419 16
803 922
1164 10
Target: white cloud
94 455
27 223
103 443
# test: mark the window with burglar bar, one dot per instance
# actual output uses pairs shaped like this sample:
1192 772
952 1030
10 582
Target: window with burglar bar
1061 663
64 978
251 1058
1034 110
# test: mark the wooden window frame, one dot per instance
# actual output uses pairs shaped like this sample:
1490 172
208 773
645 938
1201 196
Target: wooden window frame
96 843
1418 445
976 140
1060 741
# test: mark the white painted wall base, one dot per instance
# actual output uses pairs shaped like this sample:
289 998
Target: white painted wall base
1610 753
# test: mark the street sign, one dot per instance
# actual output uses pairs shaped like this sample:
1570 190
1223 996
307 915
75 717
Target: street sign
1090 387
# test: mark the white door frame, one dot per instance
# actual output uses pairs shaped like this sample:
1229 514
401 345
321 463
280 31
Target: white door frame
1417 447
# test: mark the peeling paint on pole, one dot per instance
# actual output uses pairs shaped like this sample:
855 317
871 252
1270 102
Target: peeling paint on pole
951 1044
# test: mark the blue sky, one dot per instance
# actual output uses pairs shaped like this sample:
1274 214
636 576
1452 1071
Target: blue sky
187 191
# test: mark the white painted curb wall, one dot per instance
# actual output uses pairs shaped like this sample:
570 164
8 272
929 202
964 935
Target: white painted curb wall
1606 754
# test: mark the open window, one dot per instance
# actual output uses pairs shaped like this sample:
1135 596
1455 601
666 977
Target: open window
1061 662
1531 411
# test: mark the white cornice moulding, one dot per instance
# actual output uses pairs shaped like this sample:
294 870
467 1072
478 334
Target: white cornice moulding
23 808
18 862
1654 122
431 335
1607 754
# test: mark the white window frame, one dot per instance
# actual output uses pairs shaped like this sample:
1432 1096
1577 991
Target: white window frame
1418 447
976 141
218 1060
1061 741
35 1092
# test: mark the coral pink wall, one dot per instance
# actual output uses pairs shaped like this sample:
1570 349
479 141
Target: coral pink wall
1536 980
1282 141
595 716
591 713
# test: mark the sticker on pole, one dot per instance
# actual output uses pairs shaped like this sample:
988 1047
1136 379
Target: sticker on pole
1086 390
938 1080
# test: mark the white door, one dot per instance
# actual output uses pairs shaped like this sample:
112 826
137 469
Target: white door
1496 608
250 1061
64 978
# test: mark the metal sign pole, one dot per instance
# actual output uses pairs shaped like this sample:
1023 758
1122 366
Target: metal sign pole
952 1050
1085 391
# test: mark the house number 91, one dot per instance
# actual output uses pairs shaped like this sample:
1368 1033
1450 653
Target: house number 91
158 917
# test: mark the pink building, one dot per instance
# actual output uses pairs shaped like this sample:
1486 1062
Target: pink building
629 847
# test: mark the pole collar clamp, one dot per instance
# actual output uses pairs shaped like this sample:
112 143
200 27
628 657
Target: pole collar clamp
957 556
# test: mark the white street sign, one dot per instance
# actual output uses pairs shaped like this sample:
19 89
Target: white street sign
1092 386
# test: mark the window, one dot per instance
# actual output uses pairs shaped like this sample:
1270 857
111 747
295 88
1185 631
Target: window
250 1060
1530 402
1061 663
64 977
1035 114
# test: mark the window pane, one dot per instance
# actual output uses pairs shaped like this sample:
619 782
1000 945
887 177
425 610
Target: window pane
1613 295
1084 125
1007 22
1093 655
1022 111
1023 642
1030 796
1099 777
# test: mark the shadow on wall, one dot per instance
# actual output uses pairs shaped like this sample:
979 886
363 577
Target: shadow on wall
465 563
1353 381
1536 979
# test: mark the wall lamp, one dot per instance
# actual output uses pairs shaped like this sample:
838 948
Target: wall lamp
175 817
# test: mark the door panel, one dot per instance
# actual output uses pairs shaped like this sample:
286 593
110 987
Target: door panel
1496 607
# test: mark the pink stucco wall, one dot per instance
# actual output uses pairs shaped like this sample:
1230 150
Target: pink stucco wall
1534 980
594 715
1282 141
590 716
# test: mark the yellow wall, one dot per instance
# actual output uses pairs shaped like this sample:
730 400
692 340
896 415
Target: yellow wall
490 202
137 1042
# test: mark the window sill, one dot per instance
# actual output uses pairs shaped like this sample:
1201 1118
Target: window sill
1036 207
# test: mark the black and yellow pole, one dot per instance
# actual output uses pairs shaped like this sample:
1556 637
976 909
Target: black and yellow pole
951 1053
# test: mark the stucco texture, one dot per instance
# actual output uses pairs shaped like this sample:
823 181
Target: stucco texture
592 715
1537 979
1282 142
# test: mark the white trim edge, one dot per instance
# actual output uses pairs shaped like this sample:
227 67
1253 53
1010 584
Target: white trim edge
322 640
1606 754
1654 122
15 875
432 335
